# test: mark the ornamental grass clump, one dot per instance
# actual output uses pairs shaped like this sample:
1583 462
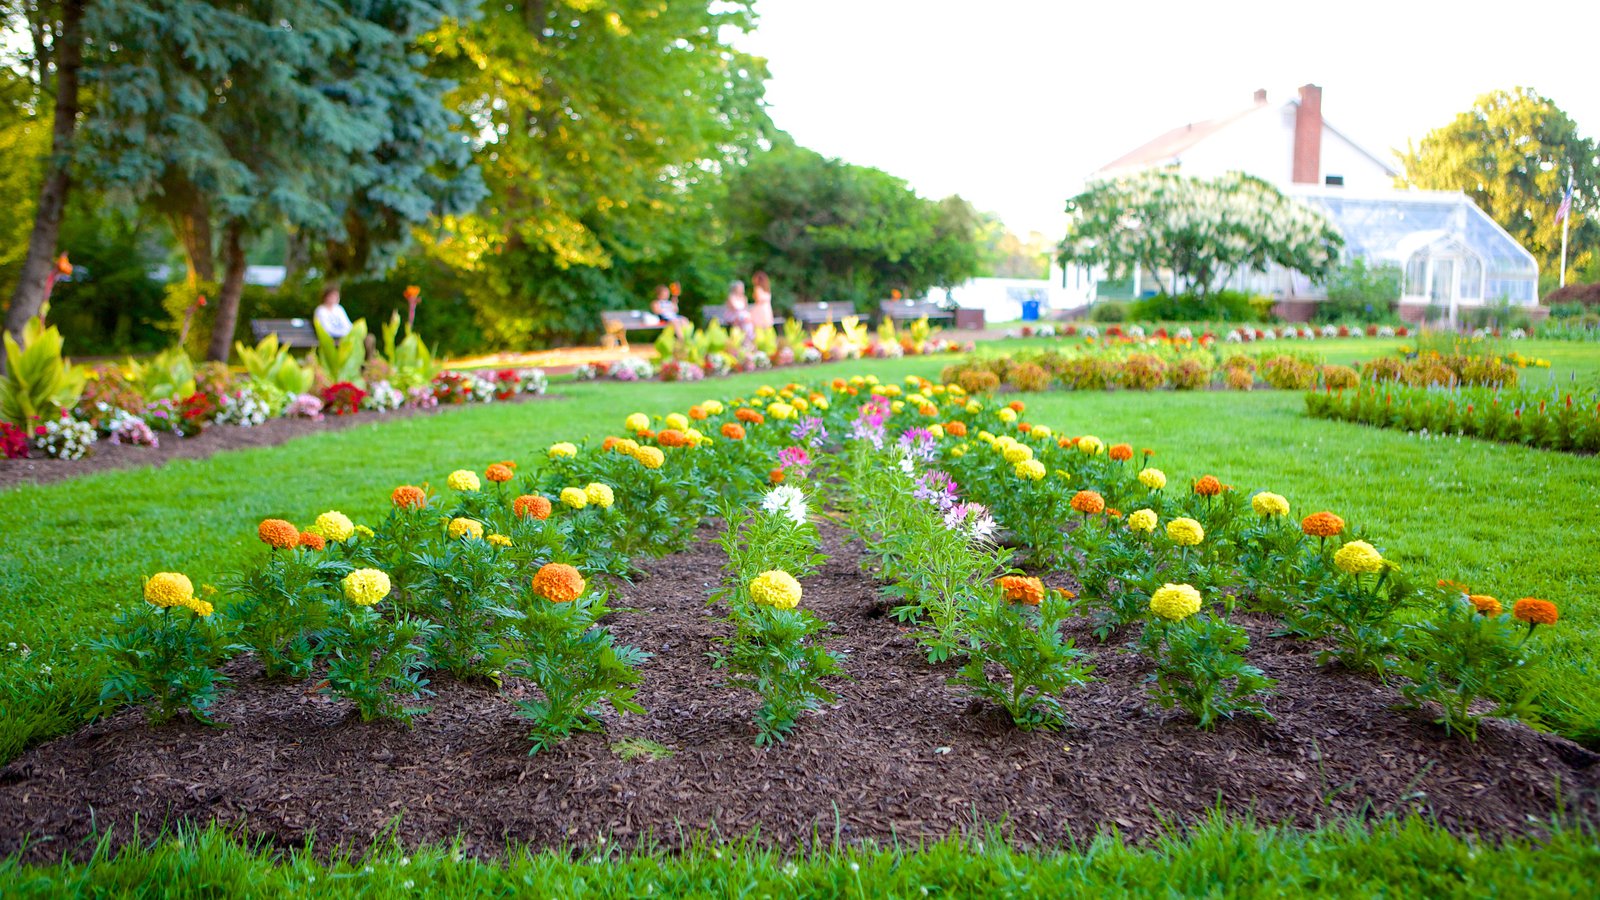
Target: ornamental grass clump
1199 659
1016 656
554 641
165 655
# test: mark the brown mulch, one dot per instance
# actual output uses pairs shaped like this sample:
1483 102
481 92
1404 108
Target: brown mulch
215 439
902 756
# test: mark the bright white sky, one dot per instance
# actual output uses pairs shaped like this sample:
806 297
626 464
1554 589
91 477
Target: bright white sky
1010 103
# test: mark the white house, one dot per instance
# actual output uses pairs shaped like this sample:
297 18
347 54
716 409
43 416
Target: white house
1453 255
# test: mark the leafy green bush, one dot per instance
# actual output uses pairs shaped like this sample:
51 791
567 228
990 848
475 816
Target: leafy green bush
1226 306
1467 652
273 366
342 360
39 383
1109 311
165 654
1361 293
1142 372
1200 666
1022 638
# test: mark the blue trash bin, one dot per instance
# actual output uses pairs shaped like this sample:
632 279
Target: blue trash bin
1030 310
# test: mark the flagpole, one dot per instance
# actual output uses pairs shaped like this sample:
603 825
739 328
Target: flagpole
1566 220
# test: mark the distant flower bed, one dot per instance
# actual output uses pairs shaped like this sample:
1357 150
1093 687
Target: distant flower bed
1549 419
1206 335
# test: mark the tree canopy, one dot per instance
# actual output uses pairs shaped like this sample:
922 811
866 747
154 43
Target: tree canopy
1511 153
1199 228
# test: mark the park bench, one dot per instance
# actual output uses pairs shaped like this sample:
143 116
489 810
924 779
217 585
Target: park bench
617 324
817 313
721 314
912 310
290 332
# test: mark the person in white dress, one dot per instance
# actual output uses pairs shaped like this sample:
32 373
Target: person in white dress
331 315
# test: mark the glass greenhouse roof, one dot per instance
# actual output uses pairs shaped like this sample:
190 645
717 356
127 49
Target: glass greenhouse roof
1396 226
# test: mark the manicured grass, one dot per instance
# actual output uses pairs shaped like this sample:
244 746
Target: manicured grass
1215 858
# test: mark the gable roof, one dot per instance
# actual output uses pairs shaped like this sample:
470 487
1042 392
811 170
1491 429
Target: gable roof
1170 146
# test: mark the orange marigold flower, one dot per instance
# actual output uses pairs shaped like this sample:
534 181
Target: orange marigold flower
558 583
409 496
839 384
1088 502
1113 512
746 414
609 442
1018 406
312 540
1208 486
499 473
1535 611
698 413
1065 442
1067 594
672 437
1024 427
956 429
733 431
1021 589
1322 525
1148 452
1453 585
1120 452
1486 604
645 434
531 506
278 534
775 476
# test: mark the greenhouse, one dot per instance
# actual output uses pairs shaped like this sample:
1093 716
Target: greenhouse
1451 253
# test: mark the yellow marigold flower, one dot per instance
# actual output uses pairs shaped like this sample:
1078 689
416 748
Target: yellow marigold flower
955 390
1486 605
800 403
563 450
336 526
678 421
987 438
936 430
897 405
167 589
1031 469
713 407
599 494
650 457
766 390
364 587
1015 452
959 450
463 480
1175 602
695 437
916 399
974 407
575 497
627 446
1042 431
201 608
1185 532
820 402
1143 521
1358 558
499 540
1267 503
636 422
365 533
1091 445
1154 479
1007 414
775 588
461 527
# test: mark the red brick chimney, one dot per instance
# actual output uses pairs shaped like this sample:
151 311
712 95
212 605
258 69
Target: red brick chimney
1308 136
1261 96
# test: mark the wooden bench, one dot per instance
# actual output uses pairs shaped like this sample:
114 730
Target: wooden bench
290 332
818 313
912 310
617 324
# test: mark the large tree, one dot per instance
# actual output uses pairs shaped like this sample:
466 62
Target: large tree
1512 153
1201 229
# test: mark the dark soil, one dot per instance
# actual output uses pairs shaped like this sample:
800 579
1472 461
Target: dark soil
902 756
215 439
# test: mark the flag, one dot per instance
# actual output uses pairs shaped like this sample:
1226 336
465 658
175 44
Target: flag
1565 209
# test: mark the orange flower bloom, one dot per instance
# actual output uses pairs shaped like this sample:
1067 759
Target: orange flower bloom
1486 604
775 476
1067 594
928 409
1322 525
1024 427
1017 405
672 437
1088 502
839 384
558 583
1021 589
1113 512
609 442
733 431
1535 611
746 414
278 534
314 541
956 429
1453 585
408 496
498 473
1066 442
531 506
1208 486
1148 452
697 413
1120 452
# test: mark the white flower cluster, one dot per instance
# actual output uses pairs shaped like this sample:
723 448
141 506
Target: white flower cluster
243 408
1517 334
532 381
382 397
760 360
1136 331
810 355
66 438
787 501
1386 331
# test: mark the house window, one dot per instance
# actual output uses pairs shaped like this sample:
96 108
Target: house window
1334 181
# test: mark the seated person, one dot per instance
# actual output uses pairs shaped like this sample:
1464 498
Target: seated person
331 315
665 306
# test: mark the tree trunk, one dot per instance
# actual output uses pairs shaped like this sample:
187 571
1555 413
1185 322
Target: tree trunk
191 224
34 281
296 258
227 318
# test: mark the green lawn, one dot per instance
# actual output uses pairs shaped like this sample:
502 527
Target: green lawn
1507 520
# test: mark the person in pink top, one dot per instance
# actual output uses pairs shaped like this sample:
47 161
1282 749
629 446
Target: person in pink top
761 302
739 310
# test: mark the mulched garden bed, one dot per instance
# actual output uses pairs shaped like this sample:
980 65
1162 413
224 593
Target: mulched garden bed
903 756
213 440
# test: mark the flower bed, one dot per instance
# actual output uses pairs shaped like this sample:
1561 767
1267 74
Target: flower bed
485 606
1551 419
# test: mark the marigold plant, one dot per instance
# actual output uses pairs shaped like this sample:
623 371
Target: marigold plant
278 534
